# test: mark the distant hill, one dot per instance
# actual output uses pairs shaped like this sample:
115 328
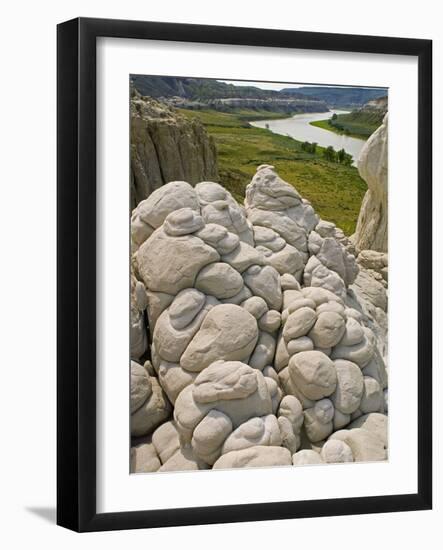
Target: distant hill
206 89
361 122
337 96
200 89
205 93
371 114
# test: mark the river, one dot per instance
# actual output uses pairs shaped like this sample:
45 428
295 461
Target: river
299 128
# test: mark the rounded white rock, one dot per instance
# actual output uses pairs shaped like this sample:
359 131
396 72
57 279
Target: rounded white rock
219 280
335 451
314 374
305 457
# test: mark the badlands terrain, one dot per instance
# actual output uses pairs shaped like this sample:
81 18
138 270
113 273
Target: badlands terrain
258 330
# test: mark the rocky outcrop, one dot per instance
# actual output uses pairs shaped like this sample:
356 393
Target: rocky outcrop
368 294
166 146
372 224
268 347
377 107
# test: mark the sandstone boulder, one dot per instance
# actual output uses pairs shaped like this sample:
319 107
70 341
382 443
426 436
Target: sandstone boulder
305 457
170 264
227 332
235 393
349 390
144 458
254 457
155 410
372 224
266 335
335 451
141 387
313 373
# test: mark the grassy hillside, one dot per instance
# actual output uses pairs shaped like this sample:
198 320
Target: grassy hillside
335 190
339 96
357 124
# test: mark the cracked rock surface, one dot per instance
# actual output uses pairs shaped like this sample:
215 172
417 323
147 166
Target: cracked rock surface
258 337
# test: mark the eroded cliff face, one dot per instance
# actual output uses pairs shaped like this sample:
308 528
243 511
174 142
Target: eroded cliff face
165 147
378 105
372 225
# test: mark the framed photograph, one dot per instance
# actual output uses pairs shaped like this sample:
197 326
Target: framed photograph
244 274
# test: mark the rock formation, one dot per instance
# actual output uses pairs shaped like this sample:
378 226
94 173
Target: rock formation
378 107
268 343
372 224
166 146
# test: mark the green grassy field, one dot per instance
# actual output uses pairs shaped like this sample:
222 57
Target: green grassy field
335 190
353 124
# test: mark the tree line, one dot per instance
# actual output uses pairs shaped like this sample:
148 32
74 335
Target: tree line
329 153
333 121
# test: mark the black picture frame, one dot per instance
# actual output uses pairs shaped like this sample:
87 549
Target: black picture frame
76 279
